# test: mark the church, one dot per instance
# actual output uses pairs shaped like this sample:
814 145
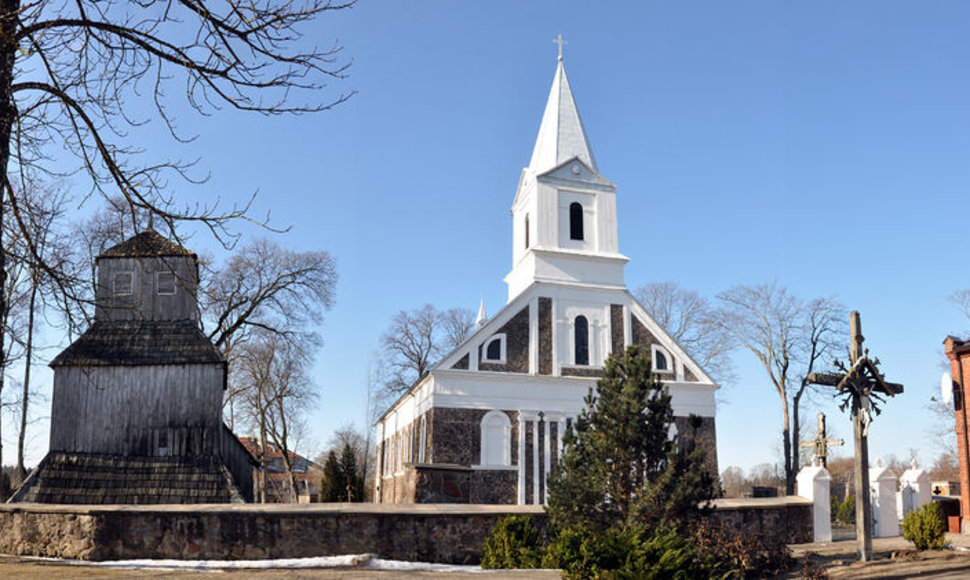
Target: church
485 424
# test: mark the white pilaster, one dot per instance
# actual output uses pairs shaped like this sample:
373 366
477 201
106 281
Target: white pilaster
534 336
545 462
535 461
521 459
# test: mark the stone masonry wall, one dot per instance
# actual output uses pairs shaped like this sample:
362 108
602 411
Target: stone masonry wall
441 533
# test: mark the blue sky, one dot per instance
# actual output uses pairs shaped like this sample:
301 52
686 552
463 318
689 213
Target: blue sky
821 145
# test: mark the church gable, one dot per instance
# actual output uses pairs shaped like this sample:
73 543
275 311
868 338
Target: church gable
575 171
507 350
670 361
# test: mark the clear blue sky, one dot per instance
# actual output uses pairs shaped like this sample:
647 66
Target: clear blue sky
823 145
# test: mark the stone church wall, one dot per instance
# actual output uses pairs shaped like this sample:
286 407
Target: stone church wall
545 336
706 437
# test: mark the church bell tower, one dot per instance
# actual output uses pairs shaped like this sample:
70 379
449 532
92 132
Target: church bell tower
564 211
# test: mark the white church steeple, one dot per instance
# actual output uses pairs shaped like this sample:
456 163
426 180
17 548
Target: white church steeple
564 212
561 135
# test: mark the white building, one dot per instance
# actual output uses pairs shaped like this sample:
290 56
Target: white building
485 424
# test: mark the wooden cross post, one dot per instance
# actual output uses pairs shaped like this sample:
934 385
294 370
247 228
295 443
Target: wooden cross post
862 386
821 444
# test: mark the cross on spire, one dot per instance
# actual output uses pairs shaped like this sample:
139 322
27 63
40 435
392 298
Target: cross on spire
558 40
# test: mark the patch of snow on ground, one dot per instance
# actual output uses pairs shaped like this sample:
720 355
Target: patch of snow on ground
348 561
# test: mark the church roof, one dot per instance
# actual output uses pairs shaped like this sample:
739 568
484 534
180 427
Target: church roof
147 244
561 135
134 342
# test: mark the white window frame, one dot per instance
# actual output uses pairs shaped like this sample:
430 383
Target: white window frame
506 427
131 283
158 283
501 360
654 349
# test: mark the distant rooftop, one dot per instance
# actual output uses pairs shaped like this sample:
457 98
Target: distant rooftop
147 244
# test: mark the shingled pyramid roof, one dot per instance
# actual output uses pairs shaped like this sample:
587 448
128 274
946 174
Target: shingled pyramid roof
148 244
134 342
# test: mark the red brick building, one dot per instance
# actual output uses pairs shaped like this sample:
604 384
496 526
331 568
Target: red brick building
305 473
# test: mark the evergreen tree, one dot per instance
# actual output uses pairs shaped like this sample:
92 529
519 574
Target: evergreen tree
333 486
620 467
353 480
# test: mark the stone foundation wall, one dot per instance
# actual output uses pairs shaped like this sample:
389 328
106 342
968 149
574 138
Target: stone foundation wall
428 533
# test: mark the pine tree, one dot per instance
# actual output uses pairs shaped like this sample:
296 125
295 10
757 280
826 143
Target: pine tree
353 481
333 486
620 467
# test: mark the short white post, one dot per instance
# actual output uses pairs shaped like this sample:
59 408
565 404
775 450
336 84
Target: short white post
882 485
813 483
919 481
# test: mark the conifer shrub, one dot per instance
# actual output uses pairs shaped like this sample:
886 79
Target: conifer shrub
514 542
626 501
845 512
924 527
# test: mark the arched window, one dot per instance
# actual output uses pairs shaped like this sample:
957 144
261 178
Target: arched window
576 221
661 360
661 363
495 349
581 342
527 231
496 439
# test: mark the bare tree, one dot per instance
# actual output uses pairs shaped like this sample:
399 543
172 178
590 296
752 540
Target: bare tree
790 338
273 373
75 78
415 341
689 320
265 288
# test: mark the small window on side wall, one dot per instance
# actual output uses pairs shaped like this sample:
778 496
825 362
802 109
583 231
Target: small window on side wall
495 349
527 231
166 283
661 361
121 285
576 221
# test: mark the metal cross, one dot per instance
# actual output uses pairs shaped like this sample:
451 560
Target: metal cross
821 444
558 40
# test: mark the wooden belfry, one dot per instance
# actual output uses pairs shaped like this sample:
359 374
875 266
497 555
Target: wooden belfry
862 388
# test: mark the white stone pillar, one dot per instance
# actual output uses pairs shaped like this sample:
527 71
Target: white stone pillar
546 447
882 486
919 481
535 461
813 483
521 459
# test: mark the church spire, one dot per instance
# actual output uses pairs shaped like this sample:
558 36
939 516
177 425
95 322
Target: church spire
561 135
480 321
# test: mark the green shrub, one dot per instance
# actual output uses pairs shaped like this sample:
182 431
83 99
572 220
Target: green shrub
514 542
583 553
924 527
845 512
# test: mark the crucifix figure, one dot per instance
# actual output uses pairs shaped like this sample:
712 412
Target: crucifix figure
821 444
558 40
863 388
